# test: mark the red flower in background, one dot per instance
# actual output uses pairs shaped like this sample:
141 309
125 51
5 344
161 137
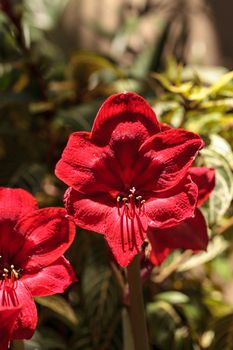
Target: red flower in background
32 242
127 174
190 233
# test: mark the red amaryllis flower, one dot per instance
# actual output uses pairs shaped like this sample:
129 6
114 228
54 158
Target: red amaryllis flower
190 233
32 242
127 174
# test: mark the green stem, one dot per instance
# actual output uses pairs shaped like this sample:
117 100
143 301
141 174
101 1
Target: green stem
137 312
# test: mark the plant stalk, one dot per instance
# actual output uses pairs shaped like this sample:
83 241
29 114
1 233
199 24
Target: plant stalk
136 309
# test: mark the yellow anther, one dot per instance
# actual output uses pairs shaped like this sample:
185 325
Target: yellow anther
118 198
130 195
12 267
139 198
5 270
143 201
125 199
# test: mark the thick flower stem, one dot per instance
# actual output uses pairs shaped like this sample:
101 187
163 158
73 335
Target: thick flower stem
137 312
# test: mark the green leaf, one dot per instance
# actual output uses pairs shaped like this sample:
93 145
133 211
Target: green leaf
172 297
207 74
221 83
76 118
216 304
206 92
216 246
224 104
83 64
223 335
219 156
45 339
220 266
100 293
28 176
149 58
166 326
43 14
222 147
178 89
60 306
203 123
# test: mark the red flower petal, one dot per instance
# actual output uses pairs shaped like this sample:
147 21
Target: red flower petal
124 113
51 279
174 207
83 164
125 157
123 123
125 237
10 241
8 316
165 127
189 234
48 233
26 320
15 202
204 178
158 252
172 152
91 212
99 213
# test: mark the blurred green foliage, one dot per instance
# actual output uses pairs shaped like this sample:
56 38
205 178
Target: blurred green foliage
45 96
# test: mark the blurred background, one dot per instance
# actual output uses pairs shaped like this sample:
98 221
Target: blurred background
59 60
196 31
